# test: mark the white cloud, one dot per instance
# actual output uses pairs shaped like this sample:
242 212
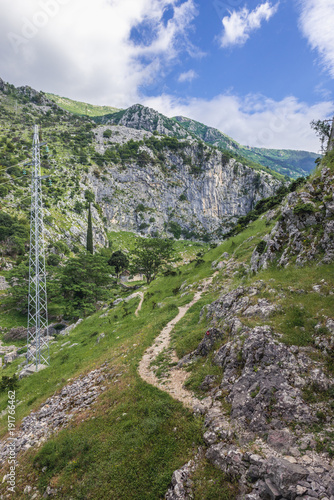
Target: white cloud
239 25
317 25
254 120
86 50
188 76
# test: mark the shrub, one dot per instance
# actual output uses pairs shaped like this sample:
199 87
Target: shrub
304 208
107 133
9 383
261 247
3 191
175 229
53 260
61 247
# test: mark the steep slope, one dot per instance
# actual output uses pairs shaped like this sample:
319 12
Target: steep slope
81 108
180 186
138 181
258 353
286 162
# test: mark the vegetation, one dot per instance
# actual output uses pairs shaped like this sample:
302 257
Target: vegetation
81 108
151 256
119 261
90 247
83 282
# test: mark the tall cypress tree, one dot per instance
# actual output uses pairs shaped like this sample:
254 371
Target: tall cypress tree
90 232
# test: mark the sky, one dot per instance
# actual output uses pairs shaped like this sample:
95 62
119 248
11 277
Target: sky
259 71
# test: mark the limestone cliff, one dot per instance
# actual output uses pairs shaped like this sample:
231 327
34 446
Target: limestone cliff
186 185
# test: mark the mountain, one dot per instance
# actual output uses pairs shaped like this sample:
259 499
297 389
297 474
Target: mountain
290 163
170 184
287 162
213 381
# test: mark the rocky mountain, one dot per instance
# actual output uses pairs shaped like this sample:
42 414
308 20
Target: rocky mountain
145 172
288 163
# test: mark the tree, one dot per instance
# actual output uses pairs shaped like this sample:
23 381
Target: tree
151 256
90 247
119 261
323 130
84 281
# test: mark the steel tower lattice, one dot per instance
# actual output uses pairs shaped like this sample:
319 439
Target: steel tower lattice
37 332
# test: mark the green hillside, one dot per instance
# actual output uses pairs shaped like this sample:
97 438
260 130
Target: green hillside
284 161
81 108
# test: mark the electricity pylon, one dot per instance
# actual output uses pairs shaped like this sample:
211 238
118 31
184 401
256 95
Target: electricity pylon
37 336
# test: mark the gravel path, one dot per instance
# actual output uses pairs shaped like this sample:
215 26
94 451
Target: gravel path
173 382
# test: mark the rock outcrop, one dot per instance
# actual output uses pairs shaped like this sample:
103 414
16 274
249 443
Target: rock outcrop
305 231
259 428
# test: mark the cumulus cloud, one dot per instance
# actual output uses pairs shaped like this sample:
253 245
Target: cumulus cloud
316 22
188 76
89 50
239 25
254 120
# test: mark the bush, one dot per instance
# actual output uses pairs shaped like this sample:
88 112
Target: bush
304 208
261 247
175 229
8 383
78 207
61 247
53 260
3 191
107 133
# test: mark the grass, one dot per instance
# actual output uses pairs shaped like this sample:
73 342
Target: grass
301 308
81 108
183 249
131 447
210 484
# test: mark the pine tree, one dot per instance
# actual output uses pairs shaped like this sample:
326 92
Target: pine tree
90 232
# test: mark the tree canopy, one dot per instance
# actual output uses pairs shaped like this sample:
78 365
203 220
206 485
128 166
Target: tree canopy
151 256
119 261
83 282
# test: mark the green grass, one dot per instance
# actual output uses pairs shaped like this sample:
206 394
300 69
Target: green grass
210 484
114 455
81 108
301 308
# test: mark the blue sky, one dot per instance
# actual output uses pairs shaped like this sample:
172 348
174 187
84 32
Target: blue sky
259 70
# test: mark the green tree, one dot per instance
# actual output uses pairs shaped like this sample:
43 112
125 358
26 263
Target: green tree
90 196
84 281
90 247
119 261
152 255
323 130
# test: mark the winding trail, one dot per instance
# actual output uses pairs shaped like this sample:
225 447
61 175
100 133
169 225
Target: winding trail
173 382
141 295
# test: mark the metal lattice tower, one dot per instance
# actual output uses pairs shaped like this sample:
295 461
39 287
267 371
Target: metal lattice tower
37 337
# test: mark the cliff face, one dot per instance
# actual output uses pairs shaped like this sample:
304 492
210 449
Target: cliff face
197 188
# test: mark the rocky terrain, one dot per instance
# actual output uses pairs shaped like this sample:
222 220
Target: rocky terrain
256 426
224 364
305 230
